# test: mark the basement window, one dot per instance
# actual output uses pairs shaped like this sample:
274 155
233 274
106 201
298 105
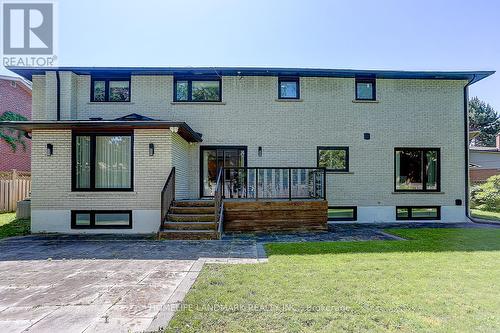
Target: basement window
101 219
337 213
418 213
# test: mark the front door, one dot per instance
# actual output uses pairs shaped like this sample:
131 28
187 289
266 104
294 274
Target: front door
214 157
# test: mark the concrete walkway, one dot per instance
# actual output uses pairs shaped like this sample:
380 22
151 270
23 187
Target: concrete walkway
128 284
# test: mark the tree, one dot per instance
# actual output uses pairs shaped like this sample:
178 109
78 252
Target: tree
487 195
483 118
12 137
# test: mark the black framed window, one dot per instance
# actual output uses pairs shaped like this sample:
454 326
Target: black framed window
366 89
110 90
101 219
417 169
418 213
342 213
197 90
102 161
333 158
288 88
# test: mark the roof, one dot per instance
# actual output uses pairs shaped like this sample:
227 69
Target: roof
17 79
485 149
181 128
470 76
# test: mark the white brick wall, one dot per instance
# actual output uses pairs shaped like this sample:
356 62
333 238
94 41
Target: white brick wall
410 113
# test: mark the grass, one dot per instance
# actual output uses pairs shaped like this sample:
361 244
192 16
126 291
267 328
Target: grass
10 226
439 280
483 214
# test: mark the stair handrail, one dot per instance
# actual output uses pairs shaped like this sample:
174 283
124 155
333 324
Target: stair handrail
167 194
219 203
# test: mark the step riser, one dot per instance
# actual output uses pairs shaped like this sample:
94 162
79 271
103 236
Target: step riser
190 218
192 226
192 210
187 236
208 203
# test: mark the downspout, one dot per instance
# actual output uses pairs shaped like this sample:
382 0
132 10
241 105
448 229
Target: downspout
466 148
58 96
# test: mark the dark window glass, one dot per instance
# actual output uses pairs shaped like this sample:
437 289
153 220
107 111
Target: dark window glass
333 158
197 90
417 169
99 91
82 219
110 219
102 162
109 90
342 213
365 89
418 213
101 219
119 91
288 88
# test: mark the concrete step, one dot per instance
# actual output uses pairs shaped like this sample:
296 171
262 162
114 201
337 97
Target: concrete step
189 225
187 234
190 218
194 203
192 210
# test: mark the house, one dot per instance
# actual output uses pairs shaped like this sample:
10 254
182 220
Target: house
484 162
15 96
120 149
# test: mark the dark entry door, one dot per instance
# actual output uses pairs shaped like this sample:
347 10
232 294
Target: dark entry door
214 157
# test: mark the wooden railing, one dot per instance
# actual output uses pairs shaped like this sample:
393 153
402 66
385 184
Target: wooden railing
167 194
219 204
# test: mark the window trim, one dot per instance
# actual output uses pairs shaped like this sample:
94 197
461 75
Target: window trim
410 215
106 88
93 135
424 180
288 79
373 81
190 88
345 148
354 213
92 219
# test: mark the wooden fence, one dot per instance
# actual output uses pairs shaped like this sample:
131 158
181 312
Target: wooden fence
14 186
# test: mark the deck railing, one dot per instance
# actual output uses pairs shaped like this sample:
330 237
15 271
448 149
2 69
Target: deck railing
273 183
219 203
168 194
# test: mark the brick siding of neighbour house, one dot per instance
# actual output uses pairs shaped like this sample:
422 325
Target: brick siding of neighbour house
409 113
15 97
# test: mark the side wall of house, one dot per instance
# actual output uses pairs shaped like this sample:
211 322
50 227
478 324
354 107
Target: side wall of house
53 200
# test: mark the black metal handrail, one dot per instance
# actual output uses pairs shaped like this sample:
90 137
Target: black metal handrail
219 203
167 194
274 183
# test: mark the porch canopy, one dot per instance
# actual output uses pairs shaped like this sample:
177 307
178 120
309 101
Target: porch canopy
186 132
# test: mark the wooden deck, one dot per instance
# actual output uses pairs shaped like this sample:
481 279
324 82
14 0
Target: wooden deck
265 216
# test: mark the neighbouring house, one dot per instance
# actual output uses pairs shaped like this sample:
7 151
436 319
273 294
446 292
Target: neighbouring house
484 162
191 150
15 96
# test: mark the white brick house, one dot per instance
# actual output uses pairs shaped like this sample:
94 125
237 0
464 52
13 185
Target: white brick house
394 144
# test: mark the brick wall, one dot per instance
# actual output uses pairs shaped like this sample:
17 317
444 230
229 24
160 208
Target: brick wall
15 98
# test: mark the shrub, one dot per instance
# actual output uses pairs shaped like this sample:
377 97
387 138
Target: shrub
487 196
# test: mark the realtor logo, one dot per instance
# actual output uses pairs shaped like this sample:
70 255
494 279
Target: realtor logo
28 30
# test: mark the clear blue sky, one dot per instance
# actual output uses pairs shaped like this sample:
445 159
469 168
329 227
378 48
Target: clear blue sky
405 35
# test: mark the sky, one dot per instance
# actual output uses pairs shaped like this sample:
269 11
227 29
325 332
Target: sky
383 34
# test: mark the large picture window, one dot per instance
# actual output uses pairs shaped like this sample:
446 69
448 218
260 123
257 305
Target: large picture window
102 162
110 90
333 158
197 90
102 219
417 169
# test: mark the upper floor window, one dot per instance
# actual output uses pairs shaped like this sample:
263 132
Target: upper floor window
417 169
197 90
110 90
288 88
365 89
333 158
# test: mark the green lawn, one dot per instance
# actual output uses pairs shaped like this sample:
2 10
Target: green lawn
9 226
483 214
440 280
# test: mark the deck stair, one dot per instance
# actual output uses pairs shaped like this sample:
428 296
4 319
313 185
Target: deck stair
190 220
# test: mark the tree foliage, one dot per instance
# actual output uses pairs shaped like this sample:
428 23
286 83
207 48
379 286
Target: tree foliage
483 118
487 196
12 137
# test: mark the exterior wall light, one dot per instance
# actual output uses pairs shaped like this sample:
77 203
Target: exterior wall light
151 149
260 151
50 149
